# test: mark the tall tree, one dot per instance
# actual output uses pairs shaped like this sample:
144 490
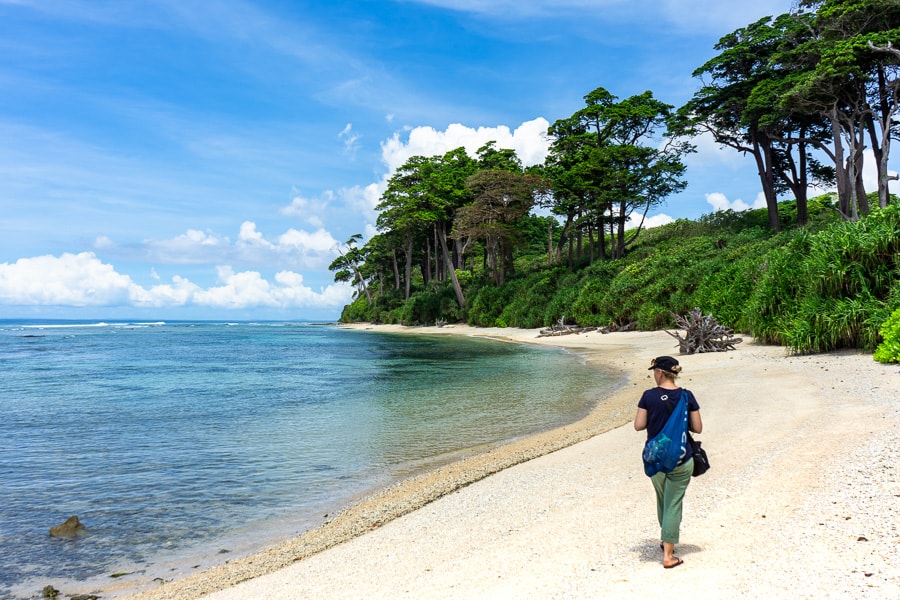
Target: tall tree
445 192
402 212
500 198
422 196
347 265
885 125
737 105
837 73
611 158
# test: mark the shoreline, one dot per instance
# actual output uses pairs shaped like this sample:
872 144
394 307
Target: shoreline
371 510
403 504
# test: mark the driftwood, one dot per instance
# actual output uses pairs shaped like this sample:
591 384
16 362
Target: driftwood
702 334
561 328
613 328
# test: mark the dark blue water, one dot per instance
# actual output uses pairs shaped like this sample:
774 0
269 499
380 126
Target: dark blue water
173 440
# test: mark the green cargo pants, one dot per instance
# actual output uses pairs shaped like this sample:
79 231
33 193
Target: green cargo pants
670 488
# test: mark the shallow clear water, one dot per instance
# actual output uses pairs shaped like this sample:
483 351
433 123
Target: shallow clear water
170 440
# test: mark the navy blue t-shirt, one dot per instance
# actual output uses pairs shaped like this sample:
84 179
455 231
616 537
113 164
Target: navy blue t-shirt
654 401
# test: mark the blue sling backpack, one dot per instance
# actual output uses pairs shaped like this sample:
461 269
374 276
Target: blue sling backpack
664 451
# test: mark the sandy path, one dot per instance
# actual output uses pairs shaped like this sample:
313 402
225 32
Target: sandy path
802 501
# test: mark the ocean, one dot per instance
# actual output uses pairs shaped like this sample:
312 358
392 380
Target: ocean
179 442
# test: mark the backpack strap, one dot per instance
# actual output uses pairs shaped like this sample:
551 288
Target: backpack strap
668 404
690 440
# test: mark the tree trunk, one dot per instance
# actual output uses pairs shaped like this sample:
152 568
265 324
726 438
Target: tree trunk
762 154
591 242
449 266
550 243
889 104
802 186
798 179
509 267
601 229
362 283
564 239
884 176
620 229
426 261
396 269
580 251
844 185
409 259
439 273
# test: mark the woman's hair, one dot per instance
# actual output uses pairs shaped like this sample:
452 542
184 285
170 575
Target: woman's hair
672 372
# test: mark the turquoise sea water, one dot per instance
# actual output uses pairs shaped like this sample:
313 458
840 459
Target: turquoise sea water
173 441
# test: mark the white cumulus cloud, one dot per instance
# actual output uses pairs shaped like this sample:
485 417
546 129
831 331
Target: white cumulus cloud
309 210
319 242
720 202
294 248
529 140
649 223
69 279
84 280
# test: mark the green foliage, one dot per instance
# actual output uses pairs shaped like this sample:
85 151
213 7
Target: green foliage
357 311
834 284
560 305
734 221
485 304
889 350
426 307
529 299
652 316
829 289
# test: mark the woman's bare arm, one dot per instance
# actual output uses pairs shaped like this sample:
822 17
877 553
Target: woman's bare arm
640 419
695 422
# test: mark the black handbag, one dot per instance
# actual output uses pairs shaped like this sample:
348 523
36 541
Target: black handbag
701 461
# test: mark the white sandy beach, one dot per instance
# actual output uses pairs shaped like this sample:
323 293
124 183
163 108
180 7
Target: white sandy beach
802 501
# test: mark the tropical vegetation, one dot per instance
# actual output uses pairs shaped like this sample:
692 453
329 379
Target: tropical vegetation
484 240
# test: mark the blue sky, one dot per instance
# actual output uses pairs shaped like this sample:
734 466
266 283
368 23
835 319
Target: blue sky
170 159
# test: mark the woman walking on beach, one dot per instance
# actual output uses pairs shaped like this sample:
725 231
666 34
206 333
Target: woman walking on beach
653 411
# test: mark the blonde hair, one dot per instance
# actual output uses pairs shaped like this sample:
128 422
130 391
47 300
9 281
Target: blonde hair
672 374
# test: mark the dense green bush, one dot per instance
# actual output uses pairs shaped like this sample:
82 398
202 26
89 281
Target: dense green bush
357 311
889 350
529 297
653 316
830 285
560 305
589 304
485 304
436 302
829 289
777 288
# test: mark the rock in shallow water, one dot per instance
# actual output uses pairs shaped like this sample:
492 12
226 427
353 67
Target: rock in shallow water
49 592
70 529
